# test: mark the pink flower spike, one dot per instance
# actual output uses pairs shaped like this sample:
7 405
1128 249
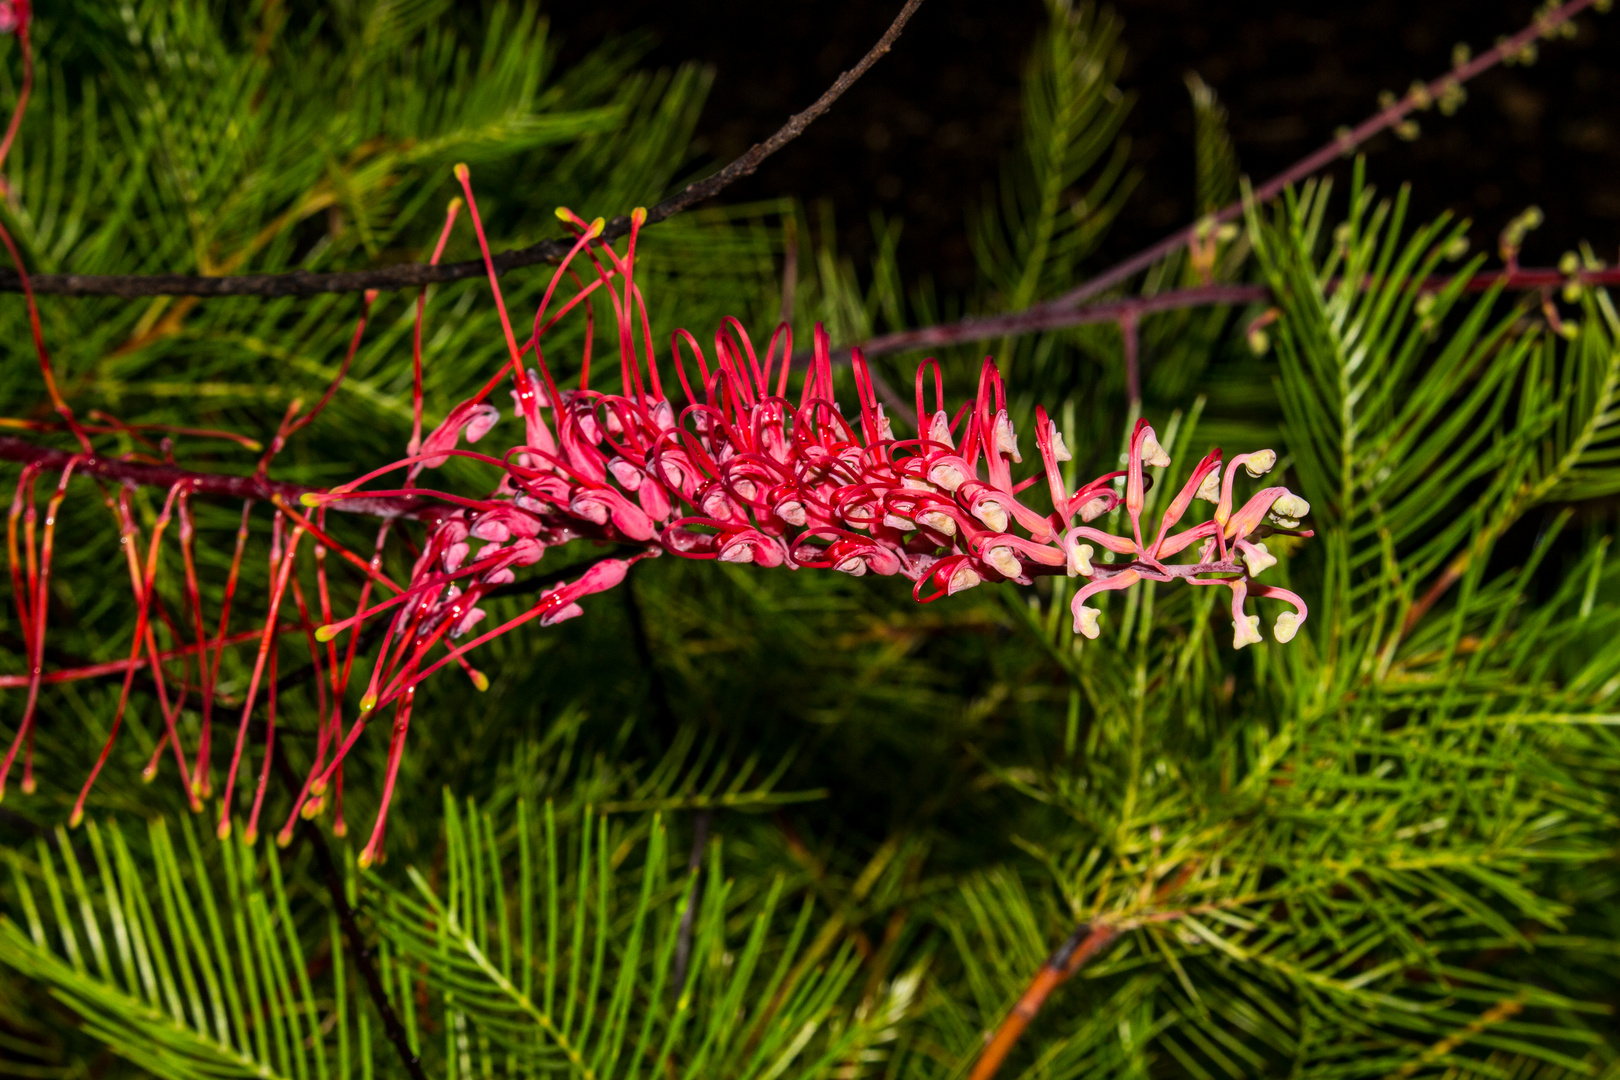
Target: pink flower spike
1210 466
1085 618
1145 450
1279 502
1119 545
1256 464
1049 441
1289 622
1245 628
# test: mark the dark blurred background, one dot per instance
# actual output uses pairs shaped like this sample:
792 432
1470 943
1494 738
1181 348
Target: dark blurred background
923 134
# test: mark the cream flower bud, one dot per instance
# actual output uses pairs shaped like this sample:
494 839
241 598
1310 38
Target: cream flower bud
947 476
992 513
791 511
1094 509
884 426
1080 560
963 577
1288 510
1006 438
939 429
939 521
1085 622
854 566
1287 626
1246 631
1210 489
1006 563
1258 559
895 521
1152 452
1060 452
1260 462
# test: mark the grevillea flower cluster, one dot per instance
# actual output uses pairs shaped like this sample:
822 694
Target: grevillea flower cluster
742 472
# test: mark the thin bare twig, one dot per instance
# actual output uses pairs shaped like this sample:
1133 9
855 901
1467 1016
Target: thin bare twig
1341 145
1038 319
416 275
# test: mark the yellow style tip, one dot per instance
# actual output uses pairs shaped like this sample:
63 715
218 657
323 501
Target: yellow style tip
454 206
461 171
325 633
311 808
368 703
310 498
370 296
317 787
365 859
597 226
284 838
250 837
340 828
224 830
563 213
28 785
480 680
76 819
638 216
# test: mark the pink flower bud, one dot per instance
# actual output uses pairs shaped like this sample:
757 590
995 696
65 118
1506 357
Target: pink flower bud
562 614
628 476
468 621
483 418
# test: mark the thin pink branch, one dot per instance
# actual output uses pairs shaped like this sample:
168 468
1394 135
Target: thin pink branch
1340 146
1048 317
220 485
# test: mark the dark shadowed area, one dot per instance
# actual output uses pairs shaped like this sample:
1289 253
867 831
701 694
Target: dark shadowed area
921 137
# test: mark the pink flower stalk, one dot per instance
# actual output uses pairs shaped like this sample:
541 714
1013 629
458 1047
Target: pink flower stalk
744 474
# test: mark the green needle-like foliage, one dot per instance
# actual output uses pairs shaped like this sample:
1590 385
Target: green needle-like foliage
748 823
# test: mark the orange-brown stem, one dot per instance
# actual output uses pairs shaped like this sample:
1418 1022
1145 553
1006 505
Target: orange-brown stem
1085 943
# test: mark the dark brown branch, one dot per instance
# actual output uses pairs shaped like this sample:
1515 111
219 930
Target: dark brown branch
1086 942
416 275
359 951
694 898
221 485
1341 146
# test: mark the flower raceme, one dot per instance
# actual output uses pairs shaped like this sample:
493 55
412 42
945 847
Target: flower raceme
745 474
741 472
